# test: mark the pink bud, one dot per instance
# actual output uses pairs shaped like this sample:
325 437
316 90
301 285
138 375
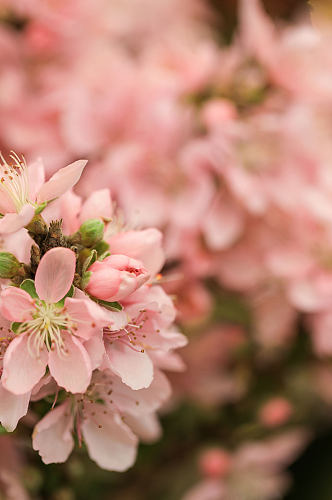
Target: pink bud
275 412
215 463
116 277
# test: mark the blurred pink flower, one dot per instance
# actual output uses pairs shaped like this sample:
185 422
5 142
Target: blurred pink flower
275 412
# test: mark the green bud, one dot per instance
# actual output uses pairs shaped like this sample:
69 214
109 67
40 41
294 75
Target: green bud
9 265
91 232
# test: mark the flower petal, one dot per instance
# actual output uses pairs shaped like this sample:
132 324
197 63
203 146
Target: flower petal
12 222
95 349
110 443
97 206
73 369
135 368
16 304
36 174
55 274
22 370
52 435
12 408
142 401
87 315
148 428
61 181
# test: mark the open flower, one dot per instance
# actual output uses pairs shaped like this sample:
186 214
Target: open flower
50 331
23 189
108 416
130 352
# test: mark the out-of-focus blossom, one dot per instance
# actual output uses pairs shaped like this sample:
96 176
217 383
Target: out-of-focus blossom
275 412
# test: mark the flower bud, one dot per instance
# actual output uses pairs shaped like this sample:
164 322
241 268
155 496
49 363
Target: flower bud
9 265
277 411
215 462
116 277
91 232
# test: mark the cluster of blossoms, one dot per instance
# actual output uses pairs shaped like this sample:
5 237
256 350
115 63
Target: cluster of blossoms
227 150
83 318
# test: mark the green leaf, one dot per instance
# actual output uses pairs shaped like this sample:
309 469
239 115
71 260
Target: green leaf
110 305
29 286
14 326
2 430
70 293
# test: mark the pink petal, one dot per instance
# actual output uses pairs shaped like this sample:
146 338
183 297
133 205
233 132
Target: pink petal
73 369
168 361
304 295
223 224
16 304
91 312
98 205
36 175
45 387
6 203
55 274
135 368
21 370
19 243
149 399
148 429
95 349
87 315
12 408
110 443
257 30
12 222
70 205
52 435
208 489
63 180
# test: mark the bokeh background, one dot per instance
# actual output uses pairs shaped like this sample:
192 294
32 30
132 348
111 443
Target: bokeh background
213 121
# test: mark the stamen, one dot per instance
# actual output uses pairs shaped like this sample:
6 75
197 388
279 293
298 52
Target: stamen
14 180
45 330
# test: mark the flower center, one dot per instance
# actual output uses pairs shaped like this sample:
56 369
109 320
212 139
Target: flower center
14 180
45 329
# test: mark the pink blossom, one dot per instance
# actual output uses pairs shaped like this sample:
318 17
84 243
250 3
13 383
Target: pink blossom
50 333
256 470
24 188
127 350
107 417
